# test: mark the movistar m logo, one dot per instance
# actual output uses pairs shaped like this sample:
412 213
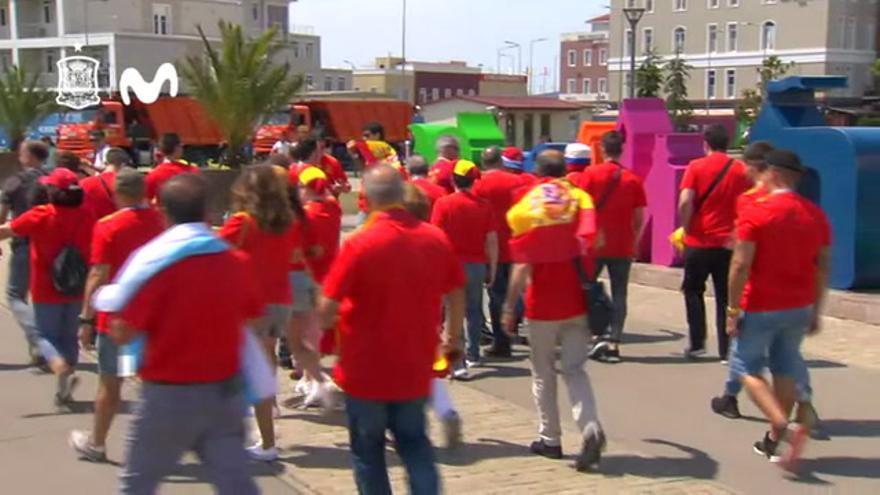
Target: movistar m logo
147 92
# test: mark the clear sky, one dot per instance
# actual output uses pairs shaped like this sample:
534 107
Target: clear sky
439 30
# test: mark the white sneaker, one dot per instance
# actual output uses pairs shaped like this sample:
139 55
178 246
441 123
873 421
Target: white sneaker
461 373
258 453
302 387
320 395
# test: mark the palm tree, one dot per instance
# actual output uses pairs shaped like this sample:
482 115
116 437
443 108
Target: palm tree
22 104
239 83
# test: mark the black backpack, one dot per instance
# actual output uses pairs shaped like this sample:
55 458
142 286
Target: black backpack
69 271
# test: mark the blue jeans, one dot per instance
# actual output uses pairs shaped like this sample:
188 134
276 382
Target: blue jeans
57 324
476 319
17 289
618 275
497 295
732 387
367 422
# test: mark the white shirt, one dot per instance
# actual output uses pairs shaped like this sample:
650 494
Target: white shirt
281 147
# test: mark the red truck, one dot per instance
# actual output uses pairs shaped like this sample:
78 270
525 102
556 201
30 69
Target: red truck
339 119
136 128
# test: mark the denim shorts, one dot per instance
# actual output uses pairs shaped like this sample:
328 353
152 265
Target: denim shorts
274 321
108 355
304 291
771 338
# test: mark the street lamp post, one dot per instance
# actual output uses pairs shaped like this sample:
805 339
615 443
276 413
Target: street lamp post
531 61
633 16
513 44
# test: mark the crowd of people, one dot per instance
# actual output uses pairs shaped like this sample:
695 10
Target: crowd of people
109 259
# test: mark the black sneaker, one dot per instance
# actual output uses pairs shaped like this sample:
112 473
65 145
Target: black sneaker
599 349
549 451
767 448
498 352
726 406
609 356
591 452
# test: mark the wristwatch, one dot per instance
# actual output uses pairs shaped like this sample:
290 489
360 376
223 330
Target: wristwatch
86 321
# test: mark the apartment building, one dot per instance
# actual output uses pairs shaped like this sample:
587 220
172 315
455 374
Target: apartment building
725 41
142 34
583 71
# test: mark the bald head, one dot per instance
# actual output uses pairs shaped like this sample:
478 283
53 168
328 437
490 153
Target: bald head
417 166
383 186
550 163
491 157
185 199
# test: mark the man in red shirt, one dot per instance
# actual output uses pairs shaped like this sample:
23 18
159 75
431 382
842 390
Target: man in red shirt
620 202
441 172
707 210
190 396
497 186
469 224
388 337
114 238
172 149
777 286
98 189
556 310
331 166
418 173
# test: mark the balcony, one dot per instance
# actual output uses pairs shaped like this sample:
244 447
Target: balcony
36 30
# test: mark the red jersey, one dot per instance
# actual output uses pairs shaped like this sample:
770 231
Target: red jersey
335 174
749 198
441 174
467 220
788 231
162 173
322 237
391 303
98 191
555 292
50 228
195 339
712 225
498 187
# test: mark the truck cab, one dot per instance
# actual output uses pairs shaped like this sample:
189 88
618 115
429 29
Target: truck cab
279 123
76 127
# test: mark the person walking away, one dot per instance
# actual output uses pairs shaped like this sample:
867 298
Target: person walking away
469 224
332 168
578 157
191 389
18 195
98 189
114 238
172 164
620 202
59 233
388 338
777 287
75 164
707 209
418 173
442 170
553 226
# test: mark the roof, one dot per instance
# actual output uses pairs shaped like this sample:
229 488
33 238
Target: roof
601 18
519 102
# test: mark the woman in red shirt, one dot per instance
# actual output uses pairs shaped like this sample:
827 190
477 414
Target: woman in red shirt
265 228
62 227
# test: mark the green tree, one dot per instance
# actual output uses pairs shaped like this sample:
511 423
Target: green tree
22 104
649 76
239 83
753 98
677 73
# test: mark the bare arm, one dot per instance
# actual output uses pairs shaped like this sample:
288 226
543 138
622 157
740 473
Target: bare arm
453 332
492 254
120 331
4 213
638 224
6 232
519 278
823 263
686 207
740 266
98 276
327 311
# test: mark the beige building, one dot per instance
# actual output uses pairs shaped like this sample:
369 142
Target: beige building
142 34
726 40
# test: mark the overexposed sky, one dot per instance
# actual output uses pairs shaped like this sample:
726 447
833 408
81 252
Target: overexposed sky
440 30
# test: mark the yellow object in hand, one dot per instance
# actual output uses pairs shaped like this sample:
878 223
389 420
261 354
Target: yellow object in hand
677 239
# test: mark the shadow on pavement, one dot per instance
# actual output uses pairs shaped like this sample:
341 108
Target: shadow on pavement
662 335
668 359
851 427
81 407
852 467
13 367
495 370
698 465
196 473
823 363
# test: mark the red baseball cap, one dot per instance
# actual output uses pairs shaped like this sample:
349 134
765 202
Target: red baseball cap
61 178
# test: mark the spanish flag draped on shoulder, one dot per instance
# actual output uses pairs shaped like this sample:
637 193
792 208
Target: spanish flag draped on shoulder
555 221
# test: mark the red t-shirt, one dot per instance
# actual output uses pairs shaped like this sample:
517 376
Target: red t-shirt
162 173
712 225
431 190
269 251
335 174
555 291
97 196
51 228
118 235
193 314
788 231
749 198
441 174
467 220
615 219
390 278
498 187
325 226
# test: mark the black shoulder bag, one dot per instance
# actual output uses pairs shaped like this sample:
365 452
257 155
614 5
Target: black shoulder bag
717 180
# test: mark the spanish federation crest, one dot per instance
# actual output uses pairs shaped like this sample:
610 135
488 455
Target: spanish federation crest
78 82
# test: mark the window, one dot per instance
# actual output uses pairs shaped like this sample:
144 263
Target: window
851 33
628 44
328 83
2 17
712 38
648 40
50 63
310 48
602 86
730 83
713 4
459 92
295 46
340 84
627 82
678 39
510 128
733 3
732 36
423 95
545 125
868 40
161 18
374 89
588 57
630 4
528 131
47 11
435 94
447 93
4 62
572 58
768 2
588 86
710 83
768 35
472 92
255 12
649 6
571 86
603 56
310 81
679 5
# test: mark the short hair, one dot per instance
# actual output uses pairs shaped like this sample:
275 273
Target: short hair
304 149
169 142
185 198
463 181
550 163
70 198
68 160
716 137
130 183
417 165
447 140
492 157
118 157
755 154
37 149
375 128
383 185
786 160
612 143
416 202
